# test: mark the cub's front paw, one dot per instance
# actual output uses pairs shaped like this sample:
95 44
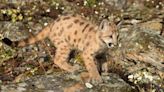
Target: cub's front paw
90 78
96 79
74 68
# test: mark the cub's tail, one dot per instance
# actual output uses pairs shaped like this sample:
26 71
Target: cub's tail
42 35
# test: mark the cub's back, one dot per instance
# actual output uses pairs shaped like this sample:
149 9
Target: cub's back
73 29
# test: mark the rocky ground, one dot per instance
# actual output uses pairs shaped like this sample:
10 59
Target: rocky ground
136 64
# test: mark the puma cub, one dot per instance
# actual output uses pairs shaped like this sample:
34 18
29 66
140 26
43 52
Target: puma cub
74 32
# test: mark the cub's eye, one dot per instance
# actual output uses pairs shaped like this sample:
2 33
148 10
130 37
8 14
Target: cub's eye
111 36
109 44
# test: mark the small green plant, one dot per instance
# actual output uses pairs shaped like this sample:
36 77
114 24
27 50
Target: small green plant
13 14
90 3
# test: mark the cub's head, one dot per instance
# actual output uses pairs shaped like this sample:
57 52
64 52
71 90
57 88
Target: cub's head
108 33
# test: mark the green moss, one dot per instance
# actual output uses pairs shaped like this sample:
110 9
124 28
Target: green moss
5 53
13 14
91 3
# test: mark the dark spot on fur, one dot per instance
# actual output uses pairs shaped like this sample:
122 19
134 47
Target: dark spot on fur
53 40
66 18
63 53
85 27
69 38
65 46
59 42
83 41
58 19
61 31
91 28
42 35
90 36
75 32
51 26
54 34
66 40
87 44
70 25
79 39
76 45
88 58
85 36
73 15
74 40
81 23
76 20
62 41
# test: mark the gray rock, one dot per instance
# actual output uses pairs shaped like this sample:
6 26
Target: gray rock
57 82
120 4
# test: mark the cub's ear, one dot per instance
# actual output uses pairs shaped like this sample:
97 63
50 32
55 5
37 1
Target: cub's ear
104 25
7 41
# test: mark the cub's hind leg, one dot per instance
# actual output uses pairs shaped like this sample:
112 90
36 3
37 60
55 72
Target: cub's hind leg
61 58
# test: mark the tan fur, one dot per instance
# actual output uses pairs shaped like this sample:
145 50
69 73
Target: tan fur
74 32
